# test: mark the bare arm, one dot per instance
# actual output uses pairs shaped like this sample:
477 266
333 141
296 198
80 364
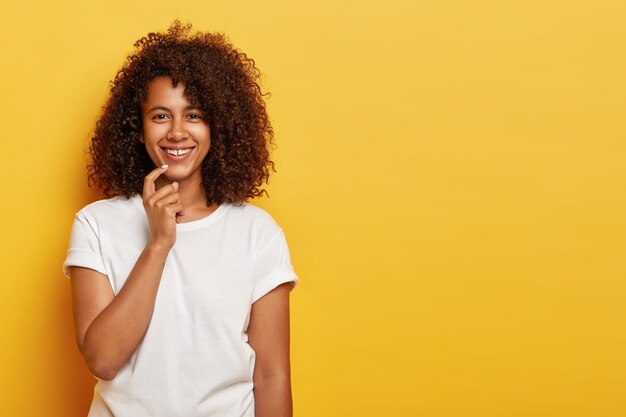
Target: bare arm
268 334
109 328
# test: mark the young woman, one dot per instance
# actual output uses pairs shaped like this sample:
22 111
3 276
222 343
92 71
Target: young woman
180 287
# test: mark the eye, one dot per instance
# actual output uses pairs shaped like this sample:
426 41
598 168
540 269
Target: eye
194 116
159 116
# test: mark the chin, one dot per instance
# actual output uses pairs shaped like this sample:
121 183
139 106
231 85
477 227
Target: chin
177 175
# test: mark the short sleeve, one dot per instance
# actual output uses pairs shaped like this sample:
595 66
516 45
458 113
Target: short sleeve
84 249
272 267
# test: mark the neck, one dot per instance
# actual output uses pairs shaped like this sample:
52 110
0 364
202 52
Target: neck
191 191
193 197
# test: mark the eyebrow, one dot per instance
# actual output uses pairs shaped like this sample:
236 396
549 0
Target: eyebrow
166 109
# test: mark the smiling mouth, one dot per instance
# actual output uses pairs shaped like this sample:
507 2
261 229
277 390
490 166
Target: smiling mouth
177 152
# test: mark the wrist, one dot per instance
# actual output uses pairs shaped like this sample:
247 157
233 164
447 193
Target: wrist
158 247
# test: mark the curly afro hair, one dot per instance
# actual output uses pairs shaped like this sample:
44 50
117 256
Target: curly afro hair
222 81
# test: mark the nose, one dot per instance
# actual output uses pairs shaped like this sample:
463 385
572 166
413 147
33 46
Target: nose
177 130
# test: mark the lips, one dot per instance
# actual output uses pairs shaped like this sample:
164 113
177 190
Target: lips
177 154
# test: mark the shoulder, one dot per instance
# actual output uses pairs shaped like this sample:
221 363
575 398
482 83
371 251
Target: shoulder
253 215
110 207
111 218
253 222
112 213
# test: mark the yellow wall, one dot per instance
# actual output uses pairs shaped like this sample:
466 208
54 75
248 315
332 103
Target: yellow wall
451 183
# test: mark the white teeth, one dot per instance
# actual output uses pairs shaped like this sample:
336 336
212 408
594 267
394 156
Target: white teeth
178 152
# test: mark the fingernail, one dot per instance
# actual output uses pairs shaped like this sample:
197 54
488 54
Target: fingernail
164 166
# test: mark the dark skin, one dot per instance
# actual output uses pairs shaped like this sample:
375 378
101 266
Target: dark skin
110 327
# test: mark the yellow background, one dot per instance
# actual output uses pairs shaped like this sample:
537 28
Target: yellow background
451 184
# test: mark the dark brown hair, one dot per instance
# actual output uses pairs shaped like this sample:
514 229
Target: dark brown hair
222 81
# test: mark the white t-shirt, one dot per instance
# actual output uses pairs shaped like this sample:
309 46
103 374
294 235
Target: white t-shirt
194 359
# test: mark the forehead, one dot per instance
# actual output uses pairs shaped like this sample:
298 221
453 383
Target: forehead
161 91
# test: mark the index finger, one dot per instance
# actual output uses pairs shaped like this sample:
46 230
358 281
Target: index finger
148 182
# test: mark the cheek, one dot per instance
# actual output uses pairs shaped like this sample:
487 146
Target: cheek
151 137
153 154
152 132
149 131
203 136
200 131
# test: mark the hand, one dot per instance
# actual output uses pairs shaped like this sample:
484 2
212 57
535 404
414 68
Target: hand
162 208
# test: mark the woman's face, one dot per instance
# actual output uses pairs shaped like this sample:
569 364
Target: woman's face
174 131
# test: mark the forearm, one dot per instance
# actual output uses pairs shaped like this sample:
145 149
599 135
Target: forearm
116 332
272 396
